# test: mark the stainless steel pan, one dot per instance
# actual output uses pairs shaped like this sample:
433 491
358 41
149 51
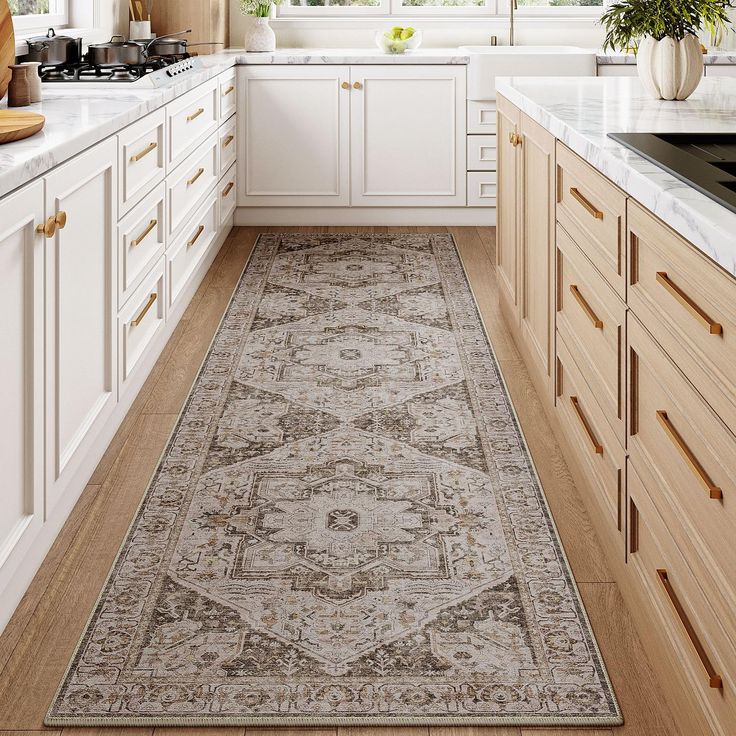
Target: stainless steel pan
52 49
117 51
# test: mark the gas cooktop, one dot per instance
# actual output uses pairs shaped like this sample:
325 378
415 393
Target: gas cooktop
705 161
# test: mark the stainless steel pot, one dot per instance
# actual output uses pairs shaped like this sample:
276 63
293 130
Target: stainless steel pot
168 45
117 51
52 49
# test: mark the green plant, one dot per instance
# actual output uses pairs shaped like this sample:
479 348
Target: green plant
627 21
259 8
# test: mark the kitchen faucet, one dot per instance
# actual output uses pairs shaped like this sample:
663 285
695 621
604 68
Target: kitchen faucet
513 5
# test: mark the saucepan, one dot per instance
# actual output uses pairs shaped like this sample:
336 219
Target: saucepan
52 49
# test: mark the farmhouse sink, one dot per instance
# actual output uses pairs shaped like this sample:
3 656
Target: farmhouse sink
489 62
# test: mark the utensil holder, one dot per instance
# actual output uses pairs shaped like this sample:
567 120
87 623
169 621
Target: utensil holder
140 30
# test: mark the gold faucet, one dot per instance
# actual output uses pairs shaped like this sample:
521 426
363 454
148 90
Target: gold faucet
513 5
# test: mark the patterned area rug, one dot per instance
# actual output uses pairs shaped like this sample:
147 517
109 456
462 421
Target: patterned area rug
345 527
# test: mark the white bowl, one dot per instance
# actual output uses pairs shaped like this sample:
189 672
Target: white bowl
391 46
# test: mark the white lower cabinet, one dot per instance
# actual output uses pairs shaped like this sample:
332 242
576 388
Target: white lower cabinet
228 195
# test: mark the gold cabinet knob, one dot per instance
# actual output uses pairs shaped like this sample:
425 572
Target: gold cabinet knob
345 85
357 85
48 228
60 219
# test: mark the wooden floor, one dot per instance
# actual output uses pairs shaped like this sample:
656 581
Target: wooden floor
38 642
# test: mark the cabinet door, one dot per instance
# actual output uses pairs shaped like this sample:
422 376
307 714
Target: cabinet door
294 136
408 136
81 354
21 370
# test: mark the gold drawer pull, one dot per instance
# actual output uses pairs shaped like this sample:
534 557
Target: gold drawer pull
143 235
515 139
713 490
195 115
345 85
144 311
48 228
195 177
191 242
586 203
592 316
714 679
228 141
664 280
228 188
597 447
229 90
138 156
357 85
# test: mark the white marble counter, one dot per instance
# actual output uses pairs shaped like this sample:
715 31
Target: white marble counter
582 111
355 56
712 58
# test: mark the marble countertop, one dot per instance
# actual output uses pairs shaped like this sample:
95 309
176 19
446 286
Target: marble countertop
711 58
582 111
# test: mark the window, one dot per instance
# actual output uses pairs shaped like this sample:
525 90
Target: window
560 3
29 14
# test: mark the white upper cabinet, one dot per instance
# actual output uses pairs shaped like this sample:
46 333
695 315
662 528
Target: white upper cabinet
408 136
294 136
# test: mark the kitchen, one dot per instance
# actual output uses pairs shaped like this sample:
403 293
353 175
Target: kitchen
367 369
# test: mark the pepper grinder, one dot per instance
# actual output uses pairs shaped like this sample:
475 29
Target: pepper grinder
34 80
19 91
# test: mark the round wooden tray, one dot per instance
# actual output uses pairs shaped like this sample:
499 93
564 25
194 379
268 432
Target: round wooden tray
16 125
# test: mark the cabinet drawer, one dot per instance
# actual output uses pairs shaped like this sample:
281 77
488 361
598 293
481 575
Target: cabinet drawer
191 246
592 320
593 211
482 117
192 180
228 93
141 241
228 195
482 153
688 304
596 450
228 145
679 443
141 159
679 613
190 119
140 321
481 189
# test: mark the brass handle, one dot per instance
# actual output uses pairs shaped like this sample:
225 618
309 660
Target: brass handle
586 203
60 219
714 679
228 141
597 447
228 189
191 242
345 85
195 177
515 139
195 115
228 91
592 316
713 490
138 156
357 85
664 280
143 235
144 311
48 228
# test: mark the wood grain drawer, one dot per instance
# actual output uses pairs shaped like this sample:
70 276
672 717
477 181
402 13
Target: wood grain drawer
688 304
482 117
597 451
592 320
482 153
688 458
678 613
190 120
482 189
228 94
228 195
228 145
593 211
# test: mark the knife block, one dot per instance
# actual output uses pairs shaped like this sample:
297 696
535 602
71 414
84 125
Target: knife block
7 46
208 19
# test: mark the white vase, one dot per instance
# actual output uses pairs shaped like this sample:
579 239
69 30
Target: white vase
260 36
669 69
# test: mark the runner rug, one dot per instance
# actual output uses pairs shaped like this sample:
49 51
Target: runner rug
346 526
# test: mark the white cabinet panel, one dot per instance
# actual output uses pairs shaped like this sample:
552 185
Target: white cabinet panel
617 70
482 117
482 189
408 136
482 153
81 285
228 195
294 130
720 70
190 120
228 91
228 145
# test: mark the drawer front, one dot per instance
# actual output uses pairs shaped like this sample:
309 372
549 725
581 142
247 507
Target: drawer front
481 189
482 153
228 95
482 117
228 146
141 241
688 304
141 159
596 449
679 612
593 211
592 320
191 246
679 442
190 119
228 195
140 321
192 180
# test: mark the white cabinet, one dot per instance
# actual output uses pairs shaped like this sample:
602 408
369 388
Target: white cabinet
294 136
21 371
81 354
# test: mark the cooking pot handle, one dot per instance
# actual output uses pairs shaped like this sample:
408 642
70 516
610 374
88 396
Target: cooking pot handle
36 46
118 35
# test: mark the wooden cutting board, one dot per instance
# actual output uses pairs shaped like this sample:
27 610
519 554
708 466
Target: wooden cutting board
16 125
7 46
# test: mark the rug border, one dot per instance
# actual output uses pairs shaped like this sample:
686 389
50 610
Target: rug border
281 721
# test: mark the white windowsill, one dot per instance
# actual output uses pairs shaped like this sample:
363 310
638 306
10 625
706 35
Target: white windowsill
88 35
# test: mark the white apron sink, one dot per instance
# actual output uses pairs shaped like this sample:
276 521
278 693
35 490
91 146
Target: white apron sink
489 62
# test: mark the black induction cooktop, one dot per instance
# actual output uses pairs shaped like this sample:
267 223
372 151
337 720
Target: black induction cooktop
705 161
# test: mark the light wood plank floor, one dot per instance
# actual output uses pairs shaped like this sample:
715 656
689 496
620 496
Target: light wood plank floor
37 644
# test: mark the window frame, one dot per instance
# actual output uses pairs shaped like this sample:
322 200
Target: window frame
37 21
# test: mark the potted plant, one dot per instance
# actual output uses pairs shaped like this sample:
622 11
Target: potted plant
664 36
260 35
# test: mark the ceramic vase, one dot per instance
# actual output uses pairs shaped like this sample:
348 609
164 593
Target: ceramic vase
670 69
19 89
34 80
260 36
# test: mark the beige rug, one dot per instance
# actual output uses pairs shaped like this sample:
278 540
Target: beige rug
346 527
